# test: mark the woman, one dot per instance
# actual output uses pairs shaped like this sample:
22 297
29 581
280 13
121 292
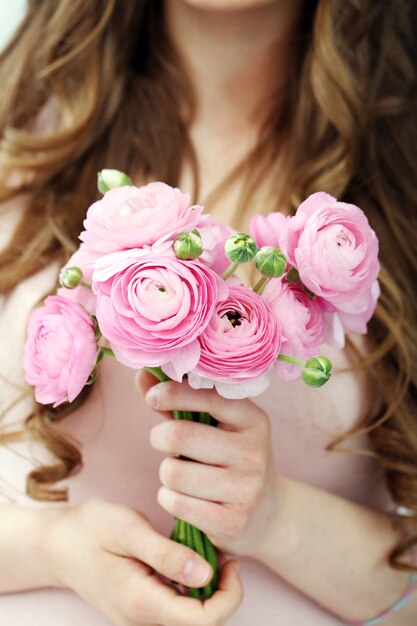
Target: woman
249 104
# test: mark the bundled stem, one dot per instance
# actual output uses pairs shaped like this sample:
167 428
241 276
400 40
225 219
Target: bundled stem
183 532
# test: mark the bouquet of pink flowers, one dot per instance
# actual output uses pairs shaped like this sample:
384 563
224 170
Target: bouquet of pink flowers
154 285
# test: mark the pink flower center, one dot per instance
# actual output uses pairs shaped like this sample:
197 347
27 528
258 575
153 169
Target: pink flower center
234 318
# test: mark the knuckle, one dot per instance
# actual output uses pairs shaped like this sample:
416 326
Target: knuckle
158 556
261 425
169 473
256 462
250 501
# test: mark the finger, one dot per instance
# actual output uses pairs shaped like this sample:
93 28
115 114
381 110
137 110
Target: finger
218 609
207 482
236 414
206 515
170 559
144 380
229 594
200 442
177 610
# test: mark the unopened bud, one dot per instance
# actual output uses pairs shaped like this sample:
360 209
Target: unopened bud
316 371
240 248
270 261
188 246
108 179
71 277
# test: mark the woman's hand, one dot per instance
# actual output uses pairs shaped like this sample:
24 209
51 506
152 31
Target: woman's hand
230 492
111 556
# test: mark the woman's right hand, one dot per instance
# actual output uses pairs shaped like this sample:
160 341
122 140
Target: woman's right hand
111 556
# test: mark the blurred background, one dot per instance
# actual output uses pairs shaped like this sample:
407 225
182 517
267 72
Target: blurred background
11 12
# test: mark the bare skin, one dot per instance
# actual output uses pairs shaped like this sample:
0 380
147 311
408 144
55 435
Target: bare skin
229 48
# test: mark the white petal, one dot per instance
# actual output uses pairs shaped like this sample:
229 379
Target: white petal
335 333
246 389
199 382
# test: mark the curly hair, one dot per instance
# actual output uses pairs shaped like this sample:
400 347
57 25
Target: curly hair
346 123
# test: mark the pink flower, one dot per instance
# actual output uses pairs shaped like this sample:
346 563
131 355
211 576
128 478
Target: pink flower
302 321
270 230
132 217
333 248
238 346
153 308
356 313
214 235
60 351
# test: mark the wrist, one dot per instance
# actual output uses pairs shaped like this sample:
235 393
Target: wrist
24 561
278 536
45 544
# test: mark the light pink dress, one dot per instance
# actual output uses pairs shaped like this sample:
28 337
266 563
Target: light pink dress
113 426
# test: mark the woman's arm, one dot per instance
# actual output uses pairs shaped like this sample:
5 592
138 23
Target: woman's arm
21 563
335 551
111 556
332 549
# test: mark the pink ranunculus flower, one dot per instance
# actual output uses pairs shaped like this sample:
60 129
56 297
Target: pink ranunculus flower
333 248
355 314
132 217
60 351
302 321
238 346
270 230
153 308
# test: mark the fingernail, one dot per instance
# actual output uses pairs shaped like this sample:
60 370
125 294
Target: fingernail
152 396
195 572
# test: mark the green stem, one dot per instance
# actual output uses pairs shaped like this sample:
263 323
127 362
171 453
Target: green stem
198 541
189 536
158 373
230 270
183 532
107 352
291 359
211 556
261 284
82 283
174 534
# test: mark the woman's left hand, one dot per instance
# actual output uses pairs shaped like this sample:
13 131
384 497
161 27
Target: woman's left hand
227 488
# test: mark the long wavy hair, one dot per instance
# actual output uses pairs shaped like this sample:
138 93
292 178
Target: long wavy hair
347 125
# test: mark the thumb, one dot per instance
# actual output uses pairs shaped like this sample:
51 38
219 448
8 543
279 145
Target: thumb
168 558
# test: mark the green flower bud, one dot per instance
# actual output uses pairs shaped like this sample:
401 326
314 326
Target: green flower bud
71 277
108 179
316 371
270 262
240 248
188 246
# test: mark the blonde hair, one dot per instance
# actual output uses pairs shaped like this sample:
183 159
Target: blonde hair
349 112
